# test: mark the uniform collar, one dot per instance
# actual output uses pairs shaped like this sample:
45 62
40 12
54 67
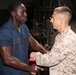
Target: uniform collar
66 30
11 24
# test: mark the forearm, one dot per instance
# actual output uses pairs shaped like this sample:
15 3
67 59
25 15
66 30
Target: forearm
17 64
36 46
48 59
40 48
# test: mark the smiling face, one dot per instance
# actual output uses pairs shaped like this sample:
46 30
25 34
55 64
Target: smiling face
19 14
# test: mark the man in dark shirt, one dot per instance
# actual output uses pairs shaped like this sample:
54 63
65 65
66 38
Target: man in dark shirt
14 41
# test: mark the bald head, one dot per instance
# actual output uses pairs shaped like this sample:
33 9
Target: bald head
64 12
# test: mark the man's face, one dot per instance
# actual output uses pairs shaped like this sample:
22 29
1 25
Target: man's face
55 20
20 14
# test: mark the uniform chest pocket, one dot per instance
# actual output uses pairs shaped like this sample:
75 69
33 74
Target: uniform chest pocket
16 41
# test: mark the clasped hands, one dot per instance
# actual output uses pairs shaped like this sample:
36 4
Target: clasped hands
34 69
35 66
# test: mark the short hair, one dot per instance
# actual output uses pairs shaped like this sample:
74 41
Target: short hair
13 6
64 10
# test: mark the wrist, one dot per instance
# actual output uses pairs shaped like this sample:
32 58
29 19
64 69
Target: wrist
28 68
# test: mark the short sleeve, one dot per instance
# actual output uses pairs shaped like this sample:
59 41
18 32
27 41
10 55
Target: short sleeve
5 37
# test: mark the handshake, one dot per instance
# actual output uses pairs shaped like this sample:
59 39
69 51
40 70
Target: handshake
32 60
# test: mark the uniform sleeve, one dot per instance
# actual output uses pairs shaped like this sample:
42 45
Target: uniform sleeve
58 53
5 37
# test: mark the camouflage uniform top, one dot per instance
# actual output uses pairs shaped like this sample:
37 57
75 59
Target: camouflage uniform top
62 57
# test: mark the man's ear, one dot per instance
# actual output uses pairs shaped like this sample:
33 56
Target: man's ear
61 21
13 13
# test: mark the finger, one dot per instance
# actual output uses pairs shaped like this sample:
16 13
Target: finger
33 73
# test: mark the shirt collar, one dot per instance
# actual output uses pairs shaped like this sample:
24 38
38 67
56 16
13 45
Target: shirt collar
66 30
11 24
